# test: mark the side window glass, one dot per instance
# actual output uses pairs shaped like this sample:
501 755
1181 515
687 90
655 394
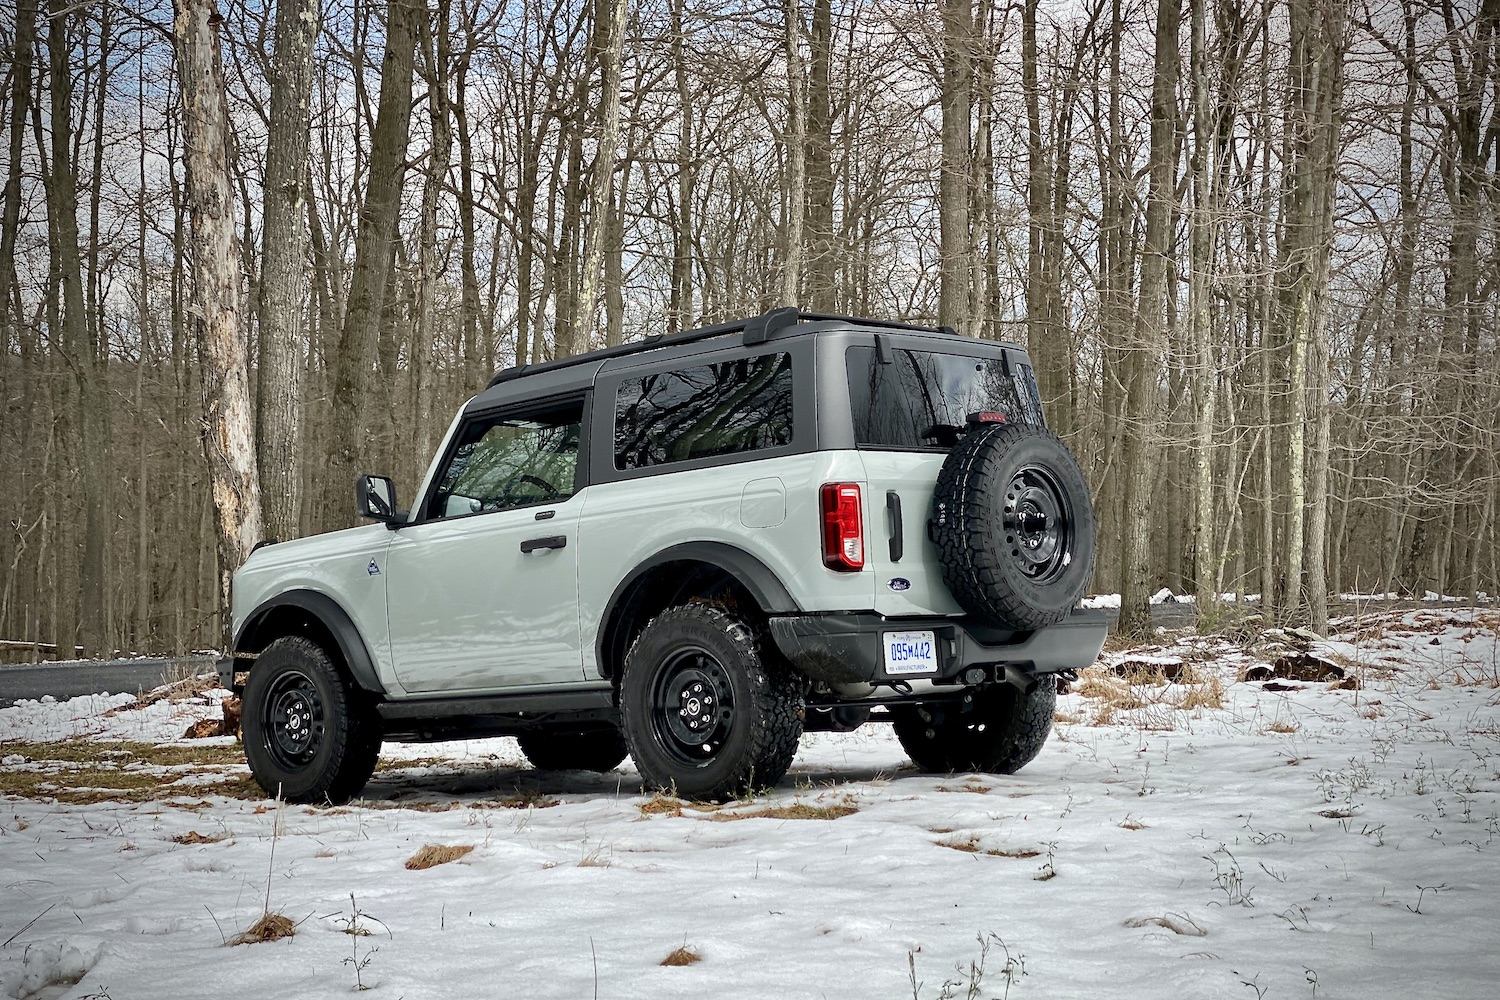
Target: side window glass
700 412
510 461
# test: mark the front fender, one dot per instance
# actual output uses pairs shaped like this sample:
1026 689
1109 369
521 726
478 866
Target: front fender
302 608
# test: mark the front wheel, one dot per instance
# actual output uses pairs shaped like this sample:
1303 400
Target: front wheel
707 711
1001 733
310 734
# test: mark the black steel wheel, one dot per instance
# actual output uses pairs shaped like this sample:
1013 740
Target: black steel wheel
1039 524
310 734
1002 731
692 706
597 749
709 709
1014 526
293 718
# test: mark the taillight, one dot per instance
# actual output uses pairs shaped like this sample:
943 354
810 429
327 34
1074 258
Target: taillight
843 528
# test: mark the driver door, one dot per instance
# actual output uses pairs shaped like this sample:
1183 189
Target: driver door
482 589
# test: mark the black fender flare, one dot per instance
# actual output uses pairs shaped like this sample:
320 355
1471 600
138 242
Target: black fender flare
333 617
752 574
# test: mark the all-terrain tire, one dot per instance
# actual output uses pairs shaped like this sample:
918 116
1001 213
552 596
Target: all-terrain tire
1002 733
600 749
310 734
708 707
1014 526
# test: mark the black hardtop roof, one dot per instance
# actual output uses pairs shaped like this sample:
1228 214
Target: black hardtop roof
771 325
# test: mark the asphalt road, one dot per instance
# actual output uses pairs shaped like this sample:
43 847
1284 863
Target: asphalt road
70 678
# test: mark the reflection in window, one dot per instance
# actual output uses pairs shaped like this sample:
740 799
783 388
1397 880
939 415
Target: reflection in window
720 409
923 399
505 462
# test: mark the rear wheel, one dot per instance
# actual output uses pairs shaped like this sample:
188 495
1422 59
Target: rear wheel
599 749
708 711
1002 733
310 734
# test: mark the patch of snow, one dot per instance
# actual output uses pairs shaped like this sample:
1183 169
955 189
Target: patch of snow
1290 834
99 716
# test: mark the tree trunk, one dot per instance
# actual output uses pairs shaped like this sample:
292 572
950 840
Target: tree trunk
284 269
378 217
611 50
821 290
1149 335
436 56
680 310
77 346
1204 378
955 244
10 213
228 434
796 153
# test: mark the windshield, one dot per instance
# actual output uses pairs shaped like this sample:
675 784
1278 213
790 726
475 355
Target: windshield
923 399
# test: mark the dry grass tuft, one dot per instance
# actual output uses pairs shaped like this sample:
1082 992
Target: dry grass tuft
1280 726
972 845
595 859
797 810
682 956
126 752
432 855
194 837
1013 852
1131 823
270 927
530 798
1209 694
1145 689
661 804
388 764
1177 923
415 805
1336 813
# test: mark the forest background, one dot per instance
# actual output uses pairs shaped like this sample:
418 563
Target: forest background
248 250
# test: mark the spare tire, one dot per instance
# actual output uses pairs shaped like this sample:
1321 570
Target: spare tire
1014 526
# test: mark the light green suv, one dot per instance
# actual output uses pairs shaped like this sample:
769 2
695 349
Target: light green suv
692 549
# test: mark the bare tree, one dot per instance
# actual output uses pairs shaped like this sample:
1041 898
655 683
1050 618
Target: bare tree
610 23
284 268
216 315
379 216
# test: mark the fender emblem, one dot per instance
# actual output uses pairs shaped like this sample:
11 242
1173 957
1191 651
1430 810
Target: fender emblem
899 584
373 569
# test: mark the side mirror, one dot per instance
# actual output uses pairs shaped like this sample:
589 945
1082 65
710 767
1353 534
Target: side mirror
375 498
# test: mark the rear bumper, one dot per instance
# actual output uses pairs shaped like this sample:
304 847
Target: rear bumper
847 648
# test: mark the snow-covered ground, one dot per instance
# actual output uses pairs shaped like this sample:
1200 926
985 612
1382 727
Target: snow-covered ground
1313 842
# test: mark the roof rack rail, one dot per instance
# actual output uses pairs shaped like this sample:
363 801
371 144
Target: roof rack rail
884 324
756 330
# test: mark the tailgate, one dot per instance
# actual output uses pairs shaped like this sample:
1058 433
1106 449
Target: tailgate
908 576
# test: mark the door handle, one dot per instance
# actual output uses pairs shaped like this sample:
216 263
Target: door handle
550 542
898 540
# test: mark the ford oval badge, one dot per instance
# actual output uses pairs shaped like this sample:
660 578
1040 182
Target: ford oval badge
899 584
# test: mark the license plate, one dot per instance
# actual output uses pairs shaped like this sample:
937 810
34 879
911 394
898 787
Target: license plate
910 653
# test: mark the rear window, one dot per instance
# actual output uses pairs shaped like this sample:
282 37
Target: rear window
704 411
922 400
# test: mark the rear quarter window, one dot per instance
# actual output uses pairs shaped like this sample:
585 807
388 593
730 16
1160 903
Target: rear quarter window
922 399
704 411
